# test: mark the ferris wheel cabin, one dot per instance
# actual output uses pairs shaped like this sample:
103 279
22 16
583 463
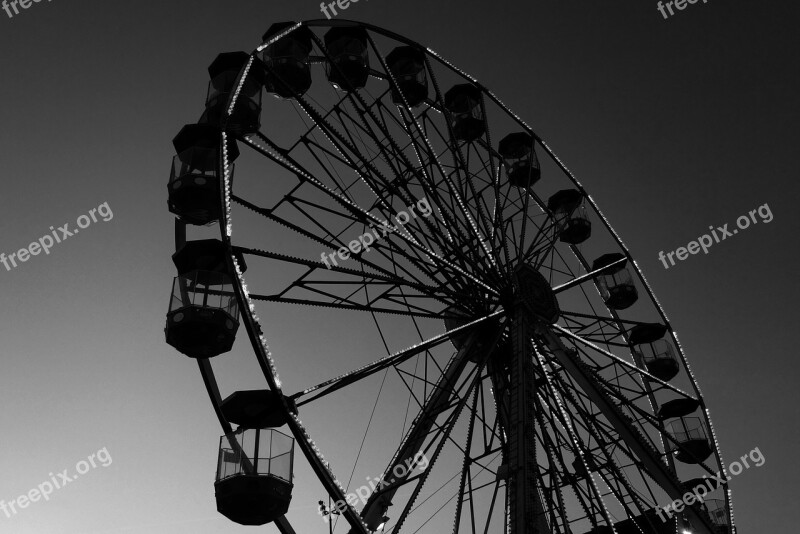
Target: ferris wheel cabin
203 315
205 255
463 104
348 63
570 215
254 470
407 66
253 485
689 432
718 513
692 438
615 284
286 61
654 352
256 409
519 159
193 186
224 73
678 408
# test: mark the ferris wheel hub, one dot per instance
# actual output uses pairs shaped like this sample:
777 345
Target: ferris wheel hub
535 293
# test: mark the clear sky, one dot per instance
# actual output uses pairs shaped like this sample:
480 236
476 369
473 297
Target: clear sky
672 125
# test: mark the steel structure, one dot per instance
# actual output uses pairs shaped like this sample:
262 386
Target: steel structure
567 406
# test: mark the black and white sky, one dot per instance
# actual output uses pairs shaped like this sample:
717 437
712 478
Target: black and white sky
672 125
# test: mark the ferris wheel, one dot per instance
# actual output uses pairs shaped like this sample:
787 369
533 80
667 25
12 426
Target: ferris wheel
514 369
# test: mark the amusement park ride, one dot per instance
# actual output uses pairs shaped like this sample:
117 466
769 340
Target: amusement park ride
546 378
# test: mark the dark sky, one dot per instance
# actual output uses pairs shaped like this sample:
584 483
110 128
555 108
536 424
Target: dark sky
671 125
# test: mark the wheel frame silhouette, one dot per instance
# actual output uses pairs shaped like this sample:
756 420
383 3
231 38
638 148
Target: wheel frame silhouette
498 310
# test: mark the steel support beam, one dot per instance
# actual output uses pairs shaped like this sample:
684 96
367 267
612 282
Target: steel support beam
526 513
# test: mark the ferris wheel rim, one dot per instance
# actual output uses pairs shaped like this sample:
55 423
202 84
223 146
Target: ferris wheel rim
253 325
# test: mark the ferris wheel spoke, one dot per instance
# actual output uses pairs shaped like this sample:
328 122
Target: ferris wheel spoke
465 464
543 243
427 157
465 449
639 418
643 450
492 437
603 436
438 402
389 153
478 236
386 296
282 157
613 474
346 202
377 127
445 431
431 166
598 329
363 216
483 420
357 161
362 276
459 163
515 224
591 500
545 248
331 245
463 174
525 218
548 485
591 275
456 276
559 518
565 441
402 192
491 170
352 306
553 429
520 210
630 369
563 425
392 360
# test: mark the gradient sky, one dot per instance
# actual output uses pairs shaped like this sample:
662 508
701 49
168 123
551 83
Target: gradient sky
671 125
